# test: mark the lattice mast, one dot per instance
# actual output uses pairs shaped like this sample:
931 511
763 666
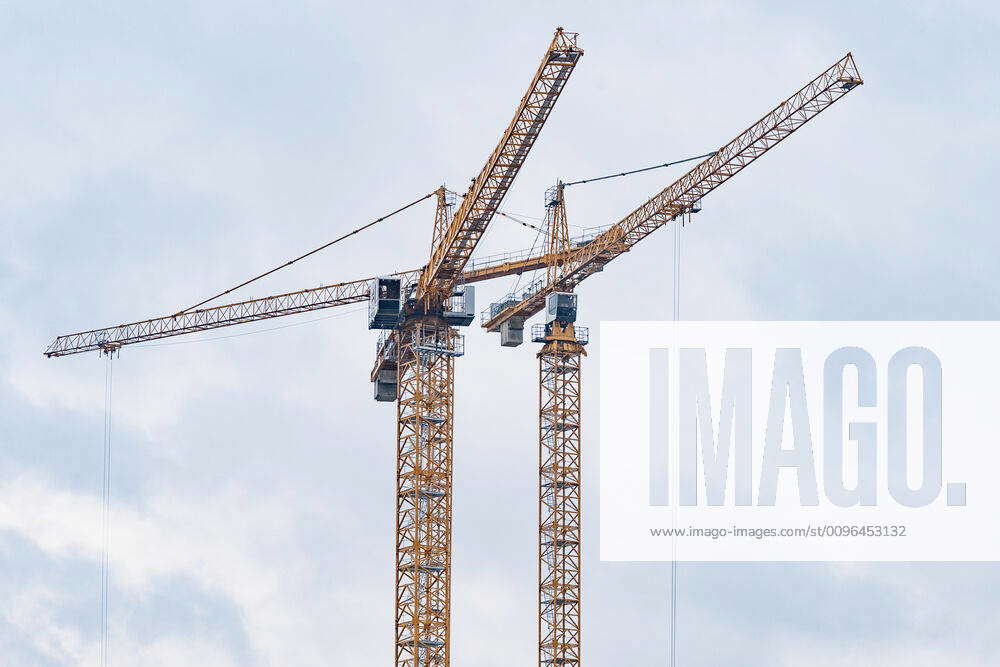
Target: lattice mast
559 457
443 213
556 230
559 496
424 408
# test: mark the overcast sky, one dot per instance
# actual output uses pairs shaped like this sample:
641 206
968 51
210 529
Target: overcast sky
155 153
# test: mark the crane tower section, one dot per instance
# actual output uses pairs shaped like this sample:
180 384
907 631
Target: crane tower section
425 409
422 346
559 491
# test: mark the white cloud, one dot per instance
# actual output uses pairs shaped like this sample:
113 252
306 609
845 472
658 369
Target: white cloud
162 154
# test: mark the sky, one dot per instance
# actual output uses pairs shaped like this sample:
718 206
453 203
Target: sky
156 153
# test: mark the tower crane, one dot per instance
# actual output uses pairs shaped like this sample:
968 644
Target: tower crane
559 417
419 311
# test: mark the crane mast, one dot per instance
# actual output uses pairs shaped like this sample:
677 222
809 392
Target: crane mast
559 456
424 410
559 493
443 212
557 230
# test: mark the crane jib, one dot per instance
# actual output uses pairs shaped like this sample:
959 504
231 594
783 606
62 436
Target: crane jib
682 195
490 187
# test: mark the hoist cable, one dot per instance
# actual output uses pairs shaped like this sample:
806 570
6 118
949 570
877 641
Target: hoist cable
106 515
524 215
678 225
638 171
539 237
311 252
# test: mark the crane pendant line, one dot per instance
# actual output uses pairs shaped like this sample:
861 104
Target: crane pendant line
639 171
311 252
685 194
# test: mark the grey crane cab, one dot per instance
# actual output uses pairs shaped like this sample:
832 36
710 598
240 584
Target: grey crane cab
561 307
460 309
384 302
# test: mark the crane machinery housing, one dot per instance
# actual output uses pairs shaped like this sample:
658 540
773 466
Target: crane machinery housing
420 312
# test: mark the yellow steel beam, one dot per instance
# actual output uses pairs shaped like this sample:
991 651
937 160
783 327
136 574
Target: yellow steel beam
680 196
488 189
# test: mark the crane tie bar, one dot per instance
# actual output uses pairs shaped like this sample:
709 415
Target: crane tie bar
520 222
311 252
637 171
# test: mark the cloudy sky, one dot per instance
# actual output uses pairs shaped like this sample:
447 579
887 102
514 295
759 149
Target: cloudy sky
155 153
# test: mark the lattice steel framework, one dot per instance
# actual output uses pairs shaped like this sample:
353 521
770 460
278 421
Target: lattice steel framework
252 310
443 213
559 531
426 376
679 197
424 347
557 230
488 189
265 308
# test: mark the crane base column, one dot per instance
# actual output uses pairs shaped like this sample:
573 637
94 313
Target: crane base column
426 351
559 530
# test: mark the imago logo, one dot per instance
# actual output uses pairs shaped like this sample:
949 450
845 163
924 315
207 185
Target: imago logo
797 441
714 443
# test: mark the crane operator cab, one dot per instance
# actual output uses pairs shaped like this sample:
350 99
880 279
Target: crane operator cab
384 301
560 315
460 309
560 307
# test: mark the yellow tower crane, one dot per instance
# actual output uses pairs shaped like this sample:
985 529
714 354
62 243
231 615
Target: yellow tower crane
419 310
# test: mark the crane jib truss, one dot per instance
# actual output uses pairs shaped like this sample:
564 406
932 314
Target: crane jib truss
488 189
265 308
226 315
681 196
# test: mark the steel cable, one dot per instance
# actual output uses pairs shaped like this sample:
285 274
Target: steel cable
106 515
678 225
311 252
639 171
